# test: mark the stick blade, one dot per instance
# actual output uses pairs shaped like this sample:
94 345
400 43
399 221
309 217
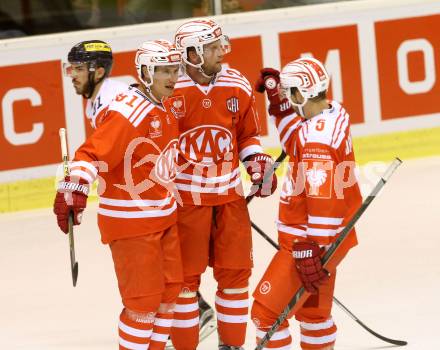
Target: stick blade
75 274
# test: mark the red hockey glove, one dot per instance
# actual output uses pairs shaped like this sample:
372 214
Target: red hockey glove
309 266
71 196
269 81
259 166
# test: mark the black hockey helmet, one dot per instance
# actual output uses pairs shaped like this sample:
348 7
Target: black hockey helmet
96 53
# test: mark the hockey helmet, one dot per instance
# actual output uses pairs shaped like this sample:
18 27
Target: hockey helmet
196 34
155 53
308 75
95 53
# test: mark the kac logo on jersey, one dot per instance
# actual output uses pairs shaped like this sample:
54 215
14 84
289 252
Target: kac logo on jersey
155 126
232 104
206 144
177 106
166 164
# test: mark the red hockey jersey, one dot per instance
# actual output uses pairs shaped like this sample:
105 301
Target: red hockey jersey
320 193
218 127
134 154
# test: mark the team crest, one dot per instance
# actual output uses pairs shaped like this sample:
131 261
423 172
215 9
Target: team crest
232 104
319 178
177 105
155 126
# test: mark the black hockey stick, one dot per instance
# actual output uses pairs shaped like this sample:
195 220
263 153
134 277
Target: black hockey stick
73 262
369 330
330 252
337 302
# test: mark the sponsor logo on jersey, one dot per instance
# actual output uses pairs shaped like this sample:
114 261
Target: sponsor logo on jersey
155 126
319 178
206 144
232 104
177 106
265 287
166 164
206 103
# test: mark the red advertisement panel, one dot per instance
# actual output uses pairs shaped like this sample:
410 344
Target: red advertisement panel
32 111
408 59
338 48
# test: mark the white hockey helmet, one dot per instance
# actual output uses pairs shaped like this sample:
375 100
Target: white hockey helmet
306 74
156 53
196 34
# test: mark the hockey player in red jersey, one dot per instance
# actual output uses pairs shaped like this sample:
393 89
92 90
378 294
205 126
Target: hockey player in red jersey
134 154
89 66
218 128
319 196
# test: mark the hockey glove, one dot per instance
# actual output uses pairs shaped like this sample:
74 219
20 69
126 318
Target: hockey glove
269 81
71 196
259 166
309 266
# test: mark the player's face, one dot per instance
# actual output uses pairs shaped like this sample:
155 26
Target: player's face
79 73
165 77
213 54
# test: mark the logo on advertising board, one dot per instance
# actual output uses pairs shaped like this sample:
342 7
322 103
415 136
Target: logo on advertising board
177 106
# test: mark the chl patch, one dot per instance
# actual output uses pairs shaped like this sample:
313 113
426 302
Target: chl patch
155 126
319 178
232 104
177 106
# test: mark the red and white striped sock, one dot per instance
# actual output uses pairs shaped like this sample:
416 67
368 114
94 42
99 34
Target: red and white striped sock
319 335
232 315
280 340
185 329
161 330
135 330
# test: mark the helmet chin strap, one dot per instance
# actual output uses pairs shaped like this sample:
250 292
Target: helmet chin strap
200 68
300 106
91 85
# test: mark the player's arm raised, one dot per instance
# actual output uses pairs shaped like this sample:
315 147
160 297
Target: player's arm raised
259 165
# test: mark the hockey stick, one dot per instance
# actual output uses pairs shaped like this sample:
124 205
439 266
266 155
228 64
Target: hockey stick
301 293
73 262
337 302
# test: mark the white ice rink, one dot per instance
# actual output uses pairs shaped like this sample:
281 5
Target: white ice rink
391 281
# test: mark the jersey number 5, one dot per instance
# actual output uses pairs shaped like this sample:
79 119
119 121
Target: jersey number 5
320 124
